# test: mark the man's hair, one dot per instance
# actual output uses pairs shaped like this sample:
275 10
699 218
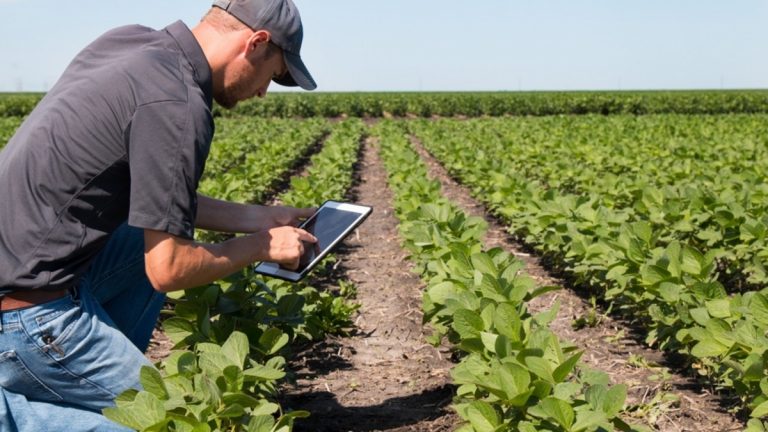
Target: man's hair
222 21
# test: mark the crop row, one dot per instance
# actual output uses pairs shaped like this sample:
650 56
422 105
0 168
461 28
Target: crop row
423 104
670 285
231 336
18 104
694 179
250 155
515 374
8 126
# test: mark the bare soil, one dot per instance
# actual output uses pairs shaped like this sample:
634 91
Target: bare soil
661 397
159 346
384 377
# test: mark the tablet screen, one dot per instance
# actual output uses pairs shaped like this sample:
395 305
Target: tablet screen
327 225
330 224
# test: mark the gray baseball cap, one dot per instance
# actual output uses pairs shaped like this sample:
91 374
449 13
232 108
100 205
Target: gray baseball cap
281 18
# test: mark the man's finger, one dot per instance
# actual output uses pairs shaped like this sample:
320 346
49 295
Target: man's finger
299 214
305 236
306 212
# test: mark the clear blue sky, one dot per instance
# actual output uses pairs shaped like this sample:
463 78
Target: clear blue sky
445 45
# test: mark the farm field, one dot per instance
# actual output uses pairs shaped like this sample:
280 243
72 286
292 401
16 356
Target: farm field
535 262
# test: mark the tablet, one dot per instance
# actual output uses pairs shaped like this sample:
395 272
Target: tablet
332 222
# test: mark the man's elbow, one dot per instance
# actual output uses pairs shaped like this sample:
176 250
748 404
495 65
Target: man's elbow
162 279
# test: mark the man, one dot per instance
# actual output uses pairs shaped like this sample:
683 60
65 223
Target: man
99 205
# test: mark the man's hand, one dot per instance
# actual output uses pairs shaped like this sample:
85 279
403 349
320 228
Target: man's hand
286 245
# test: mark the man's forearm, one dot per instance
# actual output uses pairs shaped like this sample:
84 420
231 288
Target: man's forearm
173 264
225 216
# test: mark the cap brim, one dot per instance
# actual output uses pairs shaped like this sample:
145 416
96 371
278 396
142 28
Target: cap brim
298 75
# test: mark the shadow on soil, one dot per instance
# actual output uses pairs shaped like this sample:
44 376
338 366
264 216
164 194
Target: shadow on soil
328 414
319 359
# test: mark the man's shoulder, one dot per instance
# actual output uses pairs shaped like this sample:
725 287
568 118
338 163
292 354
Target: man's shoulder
149 60
128 30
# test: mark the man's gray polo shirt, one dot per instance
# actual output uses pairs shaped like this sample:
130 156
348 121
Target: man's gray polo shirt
122 136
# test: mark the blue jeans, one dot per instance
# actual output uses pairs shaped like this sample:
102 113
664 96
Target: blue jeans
62 362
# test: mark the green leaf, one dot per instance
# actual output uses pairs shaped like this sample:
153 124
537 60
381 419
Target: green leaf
642 230
515 382
760 410
442 291
483 416
484 264
596 396
273 340
565 369
700 315
759 308
670 292
588 420
608 401
261 423
467 324
614 400
232 411
286 421
653 274
152 381
126 396
145 411
541 368
555 409
507 321
180 362
264 373
708 348
755 425
124 417
673 254
567 390
266 408
615 272
211 392
526 427
241 399
489 341
178 329
234 377
213 363
636 252
720 308
236 348
693 261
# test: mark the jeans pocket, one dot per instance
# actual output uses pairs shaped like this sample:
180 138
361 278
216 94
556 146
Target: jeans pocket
16 377
54 329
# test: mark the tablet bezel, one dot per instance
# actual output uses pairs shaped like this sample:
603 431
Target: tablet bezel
274 270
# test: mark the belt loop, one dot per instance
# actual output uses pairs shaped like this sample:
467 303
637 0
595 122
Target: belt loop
2 296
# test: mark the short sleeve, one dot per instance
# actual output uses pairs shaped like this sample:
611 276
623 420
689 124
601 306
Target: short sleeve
166 155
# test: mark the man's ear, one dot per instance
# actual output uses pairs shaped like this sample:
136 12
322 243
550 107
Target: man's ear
257 39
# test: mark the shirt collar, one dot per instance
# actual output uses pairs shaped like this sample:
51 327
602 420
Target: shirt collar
194 54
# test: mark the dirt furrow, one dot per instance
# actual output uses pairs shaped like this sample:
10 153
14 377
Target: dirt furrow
658 397
384 377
